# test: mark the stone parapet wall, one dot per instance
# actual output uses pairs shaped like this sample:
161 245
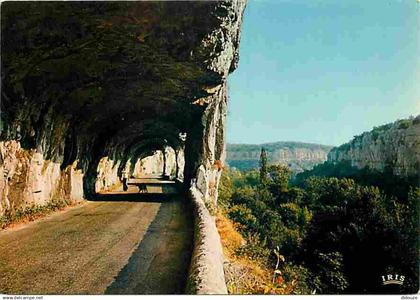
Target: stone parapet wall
206 275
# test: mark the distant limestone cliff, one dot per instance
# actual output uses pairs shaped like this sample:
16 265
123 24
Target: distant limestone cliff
298 156
394 145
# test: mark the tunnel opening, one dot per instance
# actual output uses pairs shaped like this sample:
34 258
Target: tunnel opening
145 148
151 165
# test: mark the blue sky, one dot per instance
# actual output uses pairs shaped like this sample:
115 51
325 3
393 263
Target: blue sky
324 71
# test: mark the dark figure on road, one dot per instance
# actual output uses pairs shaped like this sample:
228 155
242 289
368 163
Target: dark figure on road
142 188
125 180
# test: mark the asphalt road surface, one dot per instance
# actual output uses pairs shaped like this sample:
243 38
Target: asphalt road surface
125 245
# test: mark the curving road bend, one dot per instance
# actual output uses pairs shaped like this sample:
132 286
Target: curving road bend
128 244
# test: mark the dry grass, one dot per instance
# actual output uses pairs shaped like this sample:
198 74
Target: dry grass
33 213
230 237
244 275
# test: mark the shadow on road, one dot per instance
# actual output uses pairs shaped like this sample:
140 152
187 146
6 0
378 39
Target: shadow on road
142 190
159 265
133 197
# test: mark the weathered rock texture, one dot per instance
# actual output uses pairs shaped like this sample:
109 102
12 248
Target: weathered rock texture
108 174
298 156
156 165
395 145
151 165
89 89
26 179
109 171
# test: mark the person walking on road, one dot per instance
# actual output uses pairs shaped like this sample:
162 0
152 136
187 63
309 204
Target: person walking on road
124 176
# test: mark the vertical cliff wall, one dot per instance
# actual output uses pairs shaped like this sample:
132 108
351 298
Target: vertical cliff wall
26 179
395 145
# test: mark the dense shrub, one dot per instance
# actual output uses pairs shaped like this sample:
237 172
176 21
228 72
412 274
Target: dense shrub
404 124
243 215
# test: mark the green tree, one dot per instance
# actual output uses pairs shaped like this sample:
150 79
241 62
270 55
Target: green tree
243 215
225 190
263 167
356 226
279 179
330 277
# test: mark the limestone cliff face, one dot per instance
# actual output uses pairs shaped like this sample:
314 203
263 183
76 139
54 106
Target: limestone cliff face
395 145
155 164
298 156
26 178
203 160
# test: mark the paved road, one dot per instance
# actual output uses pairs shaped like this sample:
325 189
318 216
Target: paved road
138 246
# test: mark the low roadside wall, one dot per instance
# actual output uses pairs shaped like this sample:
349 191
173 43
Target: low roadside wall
206 275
